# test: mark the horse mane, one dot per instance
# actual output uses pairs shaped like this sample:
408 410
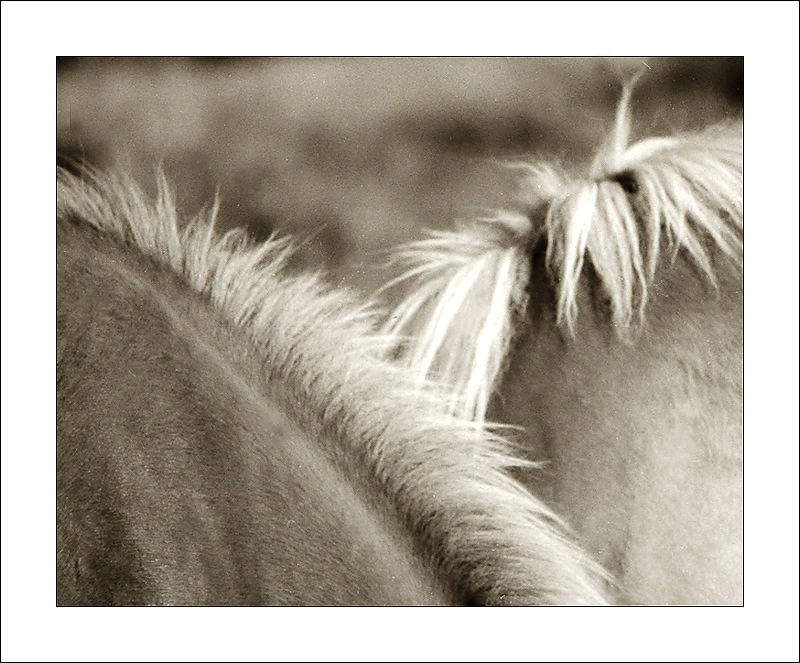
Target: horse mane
683 191
325 362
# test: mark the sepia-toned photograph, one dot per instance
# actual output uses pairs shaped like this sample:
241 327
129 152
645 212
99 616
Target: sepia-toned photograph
414 331
367 313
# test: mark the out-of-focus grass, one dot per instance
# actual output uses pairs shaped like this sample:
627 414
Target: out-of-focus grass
354 156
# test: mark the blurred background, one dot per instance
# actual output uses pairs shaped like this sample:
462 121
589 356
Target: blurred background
355 156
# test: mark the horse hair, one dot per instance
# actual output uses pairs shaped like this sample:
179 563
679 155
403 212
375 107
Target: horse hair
683 191
332 371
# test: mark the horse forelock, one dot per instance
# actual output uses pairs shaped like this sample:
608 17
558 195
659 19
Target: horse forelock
683 191
322 358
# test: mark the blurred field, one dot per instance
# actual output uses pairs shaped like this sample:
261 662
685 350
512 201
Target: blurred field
354 156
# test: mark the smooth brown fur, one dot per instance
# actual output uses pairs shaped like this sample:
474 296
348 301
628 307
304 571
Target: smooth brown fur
179 480
643 440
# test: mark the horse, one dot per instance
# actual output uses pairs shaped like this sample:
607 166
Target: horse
600 315
231 433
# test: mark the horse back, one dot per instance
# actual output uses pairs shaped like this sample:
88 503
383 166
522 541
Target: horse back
180 477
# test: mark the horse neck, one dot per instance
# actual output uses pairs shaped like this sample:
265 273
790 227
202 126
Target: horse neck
181 479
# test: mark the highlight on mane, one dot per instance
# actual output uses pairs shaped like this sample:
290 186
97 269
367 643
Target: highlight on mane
325 363
686 188
467 292
682 193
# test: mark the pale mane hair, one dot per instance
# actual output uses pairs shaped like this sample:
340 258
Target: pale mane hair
678 193
324 361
